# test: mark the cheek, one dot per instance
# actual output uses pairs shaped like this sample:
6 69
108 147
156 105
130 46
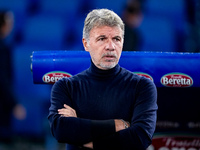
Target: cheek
96 49
96 55
119 47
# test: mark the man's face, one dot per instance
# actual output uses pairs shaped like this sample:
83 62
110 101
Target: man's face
105 46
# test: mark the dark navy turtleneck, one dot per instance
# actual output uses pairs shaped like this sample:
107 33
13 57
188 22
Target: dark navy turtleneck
99 97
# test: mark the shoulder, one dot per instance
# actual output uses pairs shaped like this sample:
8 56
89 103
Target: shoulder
147 86
127 74
67 81
139 80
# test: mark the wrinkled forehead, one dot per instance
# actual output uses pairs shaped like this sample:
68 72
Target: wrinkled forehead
106 31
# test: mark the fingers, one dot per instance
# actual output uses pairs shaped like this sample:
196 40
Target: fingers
67 111
89 145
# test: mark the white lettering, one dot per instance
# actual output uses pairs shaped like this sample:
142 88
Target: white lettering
150 147
165 80
47 79
183 143
163 148
57 78
188 82
178 81
183 80
175 81
171 81
52 79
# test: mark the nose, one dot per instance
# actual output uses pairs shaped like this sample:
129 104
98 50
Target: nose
110 45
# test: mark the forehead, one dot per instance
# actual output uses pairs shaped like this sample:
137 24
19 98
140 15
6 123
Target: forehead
106 30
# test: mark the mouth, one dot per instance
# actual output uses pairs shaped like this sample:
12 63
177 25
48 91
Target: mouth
109 57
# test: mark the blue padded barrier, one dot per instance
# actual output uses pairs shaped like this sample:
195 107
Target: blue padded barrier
165 69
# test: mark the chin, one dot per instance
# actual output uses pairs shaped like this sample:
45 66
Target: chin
107 66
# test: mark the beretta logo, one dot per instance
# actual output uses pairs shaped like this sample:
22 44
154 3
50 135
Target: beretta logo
52 77
175 142
176 79
144 75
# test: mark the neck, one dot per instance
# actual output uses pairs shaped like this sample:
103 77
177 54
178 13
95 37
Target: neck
102 73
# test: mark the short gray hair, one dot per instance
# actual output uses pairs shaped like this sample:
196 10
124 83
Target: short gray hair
101 17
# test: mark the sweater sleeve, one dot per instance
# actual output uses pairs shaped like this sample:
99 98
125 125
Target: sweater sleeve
139 134
71 130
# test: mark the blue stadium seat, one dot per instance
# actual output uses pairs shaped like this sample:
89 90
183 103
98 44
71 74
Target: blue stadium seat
174 10
157 35
175 13
115 5
44 30
59 7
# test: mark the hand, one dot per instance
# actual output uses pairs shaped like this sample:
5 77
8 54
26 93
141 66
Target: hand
19 112
119 125
88 145
67 111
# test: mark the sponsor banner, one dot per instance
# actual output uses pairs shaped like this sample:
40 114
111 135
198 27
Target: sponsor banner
156 64
175 142
144 75
71 62
176 79
54 76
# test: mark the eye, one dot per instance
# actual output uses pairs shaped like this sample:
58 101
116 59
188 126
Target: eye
101 39
117 39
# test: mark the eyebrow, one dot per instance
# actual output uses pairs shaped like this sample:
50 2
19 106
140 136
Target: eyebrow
103 36
117 37
100 36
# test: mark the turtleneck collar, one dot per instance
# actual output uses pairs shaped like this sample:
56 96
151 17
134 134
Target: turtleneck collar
99 73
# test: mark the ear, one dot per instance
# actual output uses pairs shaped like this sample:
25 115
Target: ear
85 44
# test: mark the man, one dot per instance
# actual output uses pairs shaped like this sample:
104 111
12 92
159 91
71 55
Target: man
93 109
8 103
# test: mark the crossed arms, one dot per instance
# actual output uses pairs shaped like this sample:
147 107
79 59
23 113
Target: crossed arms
67 111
